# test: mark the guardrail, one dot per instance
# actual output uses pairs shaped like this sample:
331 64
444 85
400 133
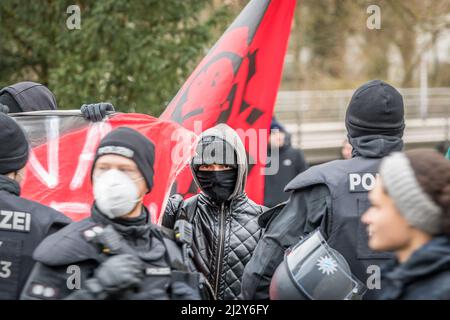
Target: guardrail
316 119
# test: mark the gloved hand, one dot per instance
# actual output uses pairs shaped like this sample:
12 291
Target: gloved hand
97 111
4 109
120 272
185 285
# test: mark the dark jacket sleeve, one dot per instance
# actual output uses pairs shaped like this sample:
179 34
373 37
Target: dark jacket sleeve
170 213
58 223
305 211
55 283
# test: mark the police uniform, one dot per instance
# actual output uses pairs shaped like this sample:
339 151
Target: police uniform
23 225
334 195
67 259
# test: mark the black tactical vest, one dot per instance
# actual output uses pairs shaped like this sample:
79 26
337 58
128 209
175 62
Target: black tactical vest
348 182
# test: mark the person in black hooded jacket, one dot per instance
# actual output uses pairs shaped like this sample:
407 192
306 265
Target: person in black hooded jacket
30 96
333 196
290 162
224 219
410 216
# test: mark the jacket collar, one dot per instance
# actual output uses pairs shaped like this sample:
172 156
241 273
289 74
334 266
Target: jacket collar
375 146
130 228
431 258
9 185
241 197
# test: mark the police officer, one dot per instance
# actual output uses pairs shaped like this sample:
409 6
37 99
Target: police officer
117 253
333 196
23 223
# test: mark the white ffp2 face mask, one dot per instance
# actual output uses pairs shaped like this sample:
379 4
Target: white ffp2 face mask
115 193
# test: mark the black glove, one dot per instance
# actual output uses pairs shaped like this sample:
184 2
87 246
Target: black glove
97 111
120 272
185 286
4 109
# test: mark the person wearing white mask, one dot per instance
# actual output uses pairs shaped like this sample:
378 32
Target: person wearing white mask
117 252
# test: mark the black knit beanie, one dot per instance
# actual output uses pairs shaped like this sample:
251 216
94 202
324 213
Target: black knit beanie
214 150
13 146
376 108
131 144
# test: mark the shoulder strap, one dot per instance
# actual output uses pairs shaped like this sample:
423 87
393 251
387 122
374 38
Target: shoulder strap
173 251
269 214
167 233
187 210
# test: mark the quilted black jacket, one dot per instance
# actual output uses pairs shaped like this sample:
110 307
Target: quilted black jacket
226 235
224 239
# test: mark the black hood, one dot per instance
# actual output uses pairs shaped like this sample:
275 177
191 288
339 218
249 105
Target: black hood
28 96
225 133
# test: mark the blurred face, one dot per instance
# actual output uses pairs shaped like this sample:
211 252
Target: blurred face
276 138
18 176
386 227
214 167
127 166
347 150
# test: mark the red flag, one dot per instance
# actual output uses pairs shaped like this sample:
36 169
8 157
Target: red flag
237 83
58 173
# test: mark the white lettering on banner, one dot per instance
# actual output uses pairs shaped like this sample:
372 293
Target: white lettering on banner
96 132
17 221
71 207
49 178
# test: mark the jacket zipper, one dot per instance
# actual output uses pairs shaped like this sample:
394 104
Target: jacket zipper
220 251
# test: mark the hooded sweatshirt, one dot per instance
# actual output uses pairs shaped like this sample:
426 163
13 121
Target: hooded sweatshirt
224 133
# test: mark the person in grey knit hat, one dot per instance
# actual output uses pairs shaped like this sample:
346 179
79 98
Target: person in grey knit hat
410 216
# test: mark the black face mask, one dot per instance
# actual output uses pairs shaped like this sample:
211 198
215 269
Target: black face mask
218 185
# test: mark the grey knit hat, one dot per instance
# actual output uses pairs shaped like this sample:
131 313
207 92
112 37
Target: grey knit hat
414 204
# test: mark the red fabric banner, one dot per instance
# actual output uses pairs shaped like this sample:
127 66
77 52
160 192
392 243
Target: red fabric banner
58 173
237 83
